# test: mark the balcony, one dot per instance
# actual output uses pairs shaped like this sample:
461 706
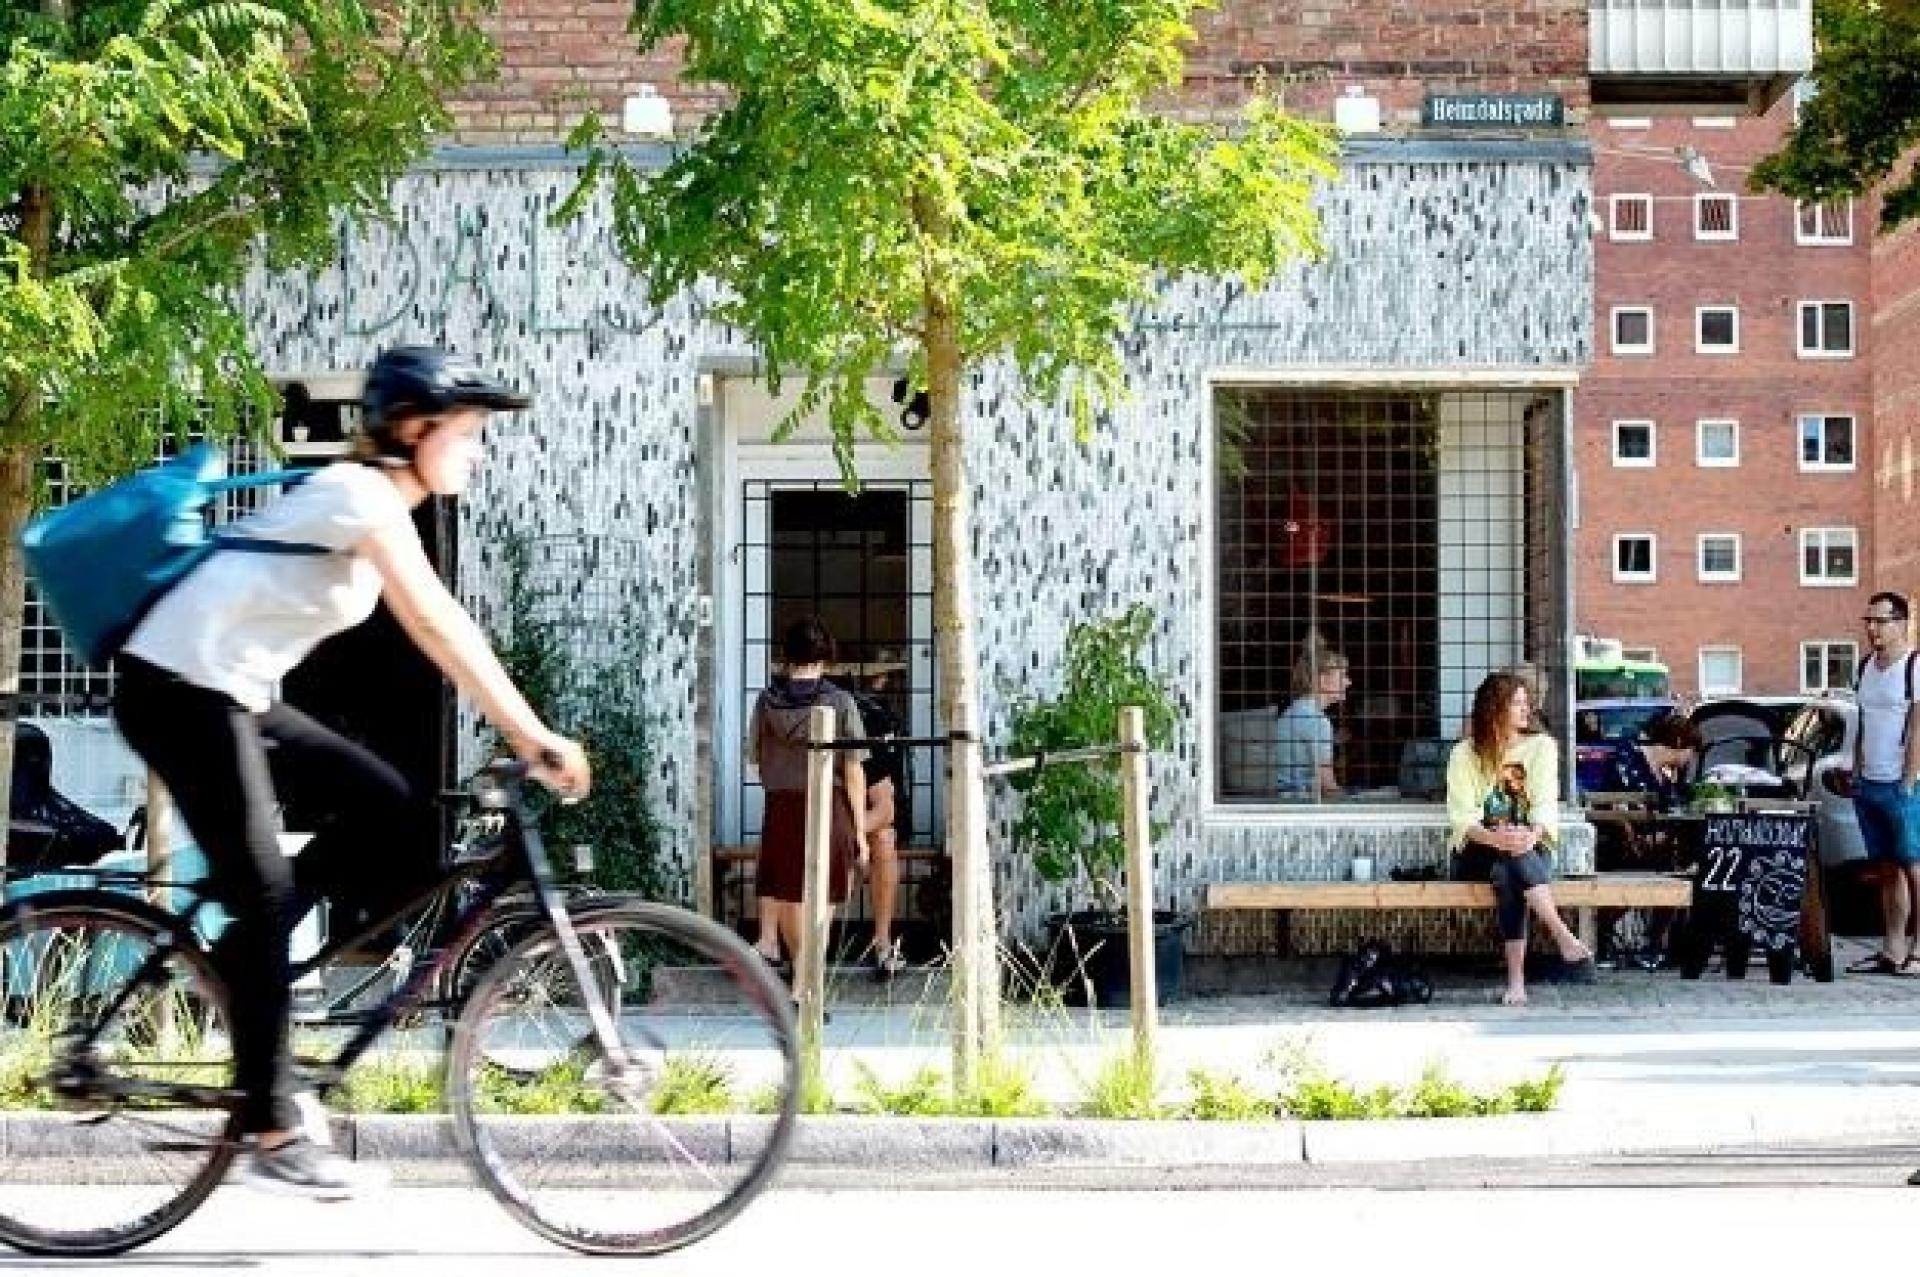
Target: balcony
1651 57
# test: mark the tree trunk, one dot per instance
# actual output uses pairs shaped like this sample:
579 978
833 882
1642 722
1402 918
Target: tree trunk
976 970
19 449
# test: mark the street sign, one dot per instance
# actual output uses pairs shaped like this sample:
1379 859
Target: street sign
1493 111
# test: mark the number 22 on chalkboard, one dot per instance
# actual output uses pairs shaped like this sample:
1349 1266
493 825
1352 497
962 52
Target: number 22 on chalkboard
1723 865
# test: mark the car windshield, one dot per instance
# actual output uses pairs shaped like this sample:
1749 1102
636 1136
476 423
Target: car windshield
1622 722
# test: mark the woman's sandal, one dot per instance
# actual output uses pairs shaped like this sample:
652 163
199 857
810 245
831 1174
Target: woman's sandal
1878 963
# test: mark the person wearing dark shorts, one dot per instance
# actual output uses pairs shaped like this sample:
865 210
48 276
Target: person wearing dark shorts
777 744
1886 763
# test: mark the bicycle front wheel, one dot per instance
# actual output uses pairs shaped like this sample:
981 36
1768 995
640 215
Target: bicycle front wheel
109 1146
646 1153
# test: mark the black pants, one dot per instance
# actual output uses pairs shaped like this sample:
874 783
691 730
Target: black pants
1512 878
212 754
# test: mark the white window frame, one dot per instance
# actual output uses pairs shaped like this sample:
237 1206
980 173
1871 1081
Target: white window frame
1804 91
1817 239
1614 204
1700 200
1807 536
1714 121
1700 314
1820 352
1825 467
1721 689
1613 330
1633 122
1652 573
1826 647
1700 457
1653 445
1700 558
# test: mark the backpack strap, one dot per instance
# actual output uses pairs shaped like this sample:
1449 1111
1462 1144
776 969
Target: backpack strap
1861 673
260 545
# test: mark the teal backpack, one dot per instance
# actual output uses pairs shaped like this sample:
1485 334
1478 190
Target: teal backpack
102 562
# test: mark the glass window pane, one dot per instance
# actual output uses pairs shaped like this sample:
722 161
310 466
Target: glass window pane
1839 451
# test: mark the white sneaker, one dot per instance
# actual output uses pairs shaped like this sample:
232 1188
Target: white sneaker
299 1168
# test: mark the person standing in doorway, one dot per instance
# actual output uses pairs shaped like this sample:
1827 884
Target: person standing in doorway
1886 766
777 744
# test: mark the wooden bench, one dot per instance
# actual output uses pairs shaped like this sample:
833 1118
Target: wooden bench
1583 895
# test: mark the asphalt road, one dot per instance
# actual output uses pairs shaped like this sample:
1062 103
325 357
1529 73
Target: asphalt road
1767 1213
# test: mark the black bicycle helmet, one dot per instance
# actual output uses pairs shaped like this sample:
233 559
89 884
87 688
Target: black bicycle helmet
420 381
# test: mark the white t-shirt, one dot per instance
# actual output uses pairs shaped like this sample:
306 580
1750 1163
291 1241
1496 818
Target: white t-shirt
241 620
1882 701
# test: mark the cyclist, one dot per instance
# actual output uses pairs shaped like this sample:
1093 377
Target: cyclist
196 700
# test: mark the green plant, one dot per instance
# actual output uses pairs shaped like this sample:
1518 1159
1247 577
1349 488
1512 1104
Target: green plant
601 705
1541 1095
1125 1084
1003 1086
558 1090
1316 1097
1070 815
1710 795
1223 1097
693 1083
924 1094
389 1084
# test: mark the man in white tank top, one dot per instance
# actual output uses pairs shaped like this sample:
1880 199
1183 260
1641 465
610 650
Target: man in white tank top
1886 768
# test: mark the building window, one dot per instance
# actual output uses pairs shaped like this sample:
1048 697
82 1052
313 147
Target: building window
1631 219
1633 122
1826 330
1829 556
1828 665
1716 217
1633 330
1823 225
1804 91
1717 330
1826 442
1418 535
1719 671
1719 556
1633 443
1713 121
1633 558
1717 443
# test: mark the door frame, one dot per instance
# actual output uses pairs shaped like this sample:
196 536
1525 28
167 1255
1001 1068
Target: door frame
801 465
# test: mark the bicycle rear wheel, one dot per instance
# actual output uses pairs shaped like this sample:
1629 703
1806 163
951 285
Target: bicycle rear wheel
642 1157
92 1165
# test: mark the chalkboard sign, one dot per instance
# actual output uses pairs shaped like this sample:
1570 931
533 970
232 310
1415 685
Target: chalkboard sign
1749 889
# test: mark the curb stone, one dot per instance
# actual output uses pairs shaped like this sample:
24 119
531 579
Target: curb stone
425 1145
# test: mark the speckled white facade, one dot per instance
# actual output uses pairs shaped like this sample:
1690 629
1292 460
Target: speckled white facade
1480 263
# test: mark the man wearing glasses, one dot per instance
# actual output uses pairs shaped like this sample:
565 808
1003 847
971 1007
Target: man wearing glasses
1886 767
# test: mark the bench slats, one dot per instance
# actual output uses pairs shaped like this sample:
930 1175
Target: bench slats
1604 891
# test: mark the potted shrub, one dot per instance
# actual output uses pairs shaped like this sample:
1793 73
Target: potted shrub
1070 814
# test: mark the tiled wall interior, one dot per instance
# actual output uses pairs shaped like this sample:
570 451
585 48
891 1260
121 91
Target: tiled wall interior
1477 264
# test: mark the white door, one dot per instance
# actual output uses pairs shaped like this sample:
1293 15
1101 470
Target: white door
793 541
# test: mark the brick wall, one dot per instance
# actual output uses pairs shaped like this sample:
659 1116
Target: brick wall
1767 499
1896 394
560 56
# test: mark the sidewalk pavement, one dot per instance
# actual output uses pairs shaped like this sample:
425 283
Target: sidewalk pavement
1653 1064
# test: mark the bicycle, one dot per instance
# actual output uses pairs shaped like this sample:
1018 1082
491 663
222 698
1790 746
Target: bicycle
573 1061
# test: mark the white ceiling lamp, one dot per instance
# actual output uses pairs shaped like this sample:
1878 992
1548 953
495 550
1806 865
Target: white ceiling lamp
1355 112
646 114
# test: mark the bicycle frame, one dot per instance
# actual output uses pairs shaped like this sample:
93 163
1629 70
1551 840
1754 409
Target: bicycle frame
520 834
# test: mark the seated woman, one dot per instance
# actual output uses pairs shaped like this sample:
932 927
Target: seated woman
1662 764
1303 736
1503 805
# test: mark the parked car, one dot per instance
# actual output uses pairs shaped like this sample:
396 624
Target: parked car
1601 728
1820 767
1746 731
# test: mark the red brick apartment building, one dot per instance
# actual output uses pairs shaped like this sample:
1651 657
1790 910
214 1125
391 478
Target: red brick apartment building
1895 333
1727 448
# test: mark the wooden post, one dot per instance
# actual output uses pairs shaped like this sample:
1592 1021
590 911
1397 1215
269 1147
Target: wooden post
816 895
964 780
1143 996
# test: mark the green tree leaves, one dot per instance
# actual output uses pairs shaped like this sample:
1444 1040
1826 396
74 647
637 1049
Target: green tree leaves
173 144
1854 132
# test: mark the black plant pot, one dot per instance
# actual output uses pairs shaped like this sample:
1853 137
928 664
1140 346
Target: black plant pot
1087 957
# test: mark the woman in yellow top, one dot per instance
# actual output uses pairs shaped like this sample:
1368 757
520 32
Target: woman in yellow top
1503 803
